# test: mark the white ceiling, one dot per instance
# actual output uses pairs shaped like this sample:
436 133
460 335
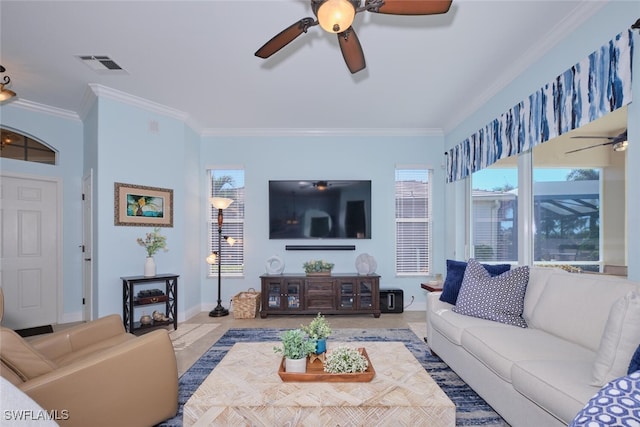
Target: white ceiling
197 57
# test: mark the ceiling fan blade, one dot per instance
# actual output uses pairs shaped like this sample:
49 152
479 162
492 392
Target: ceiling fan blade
593 137
351 50
285 37
411 7
591 146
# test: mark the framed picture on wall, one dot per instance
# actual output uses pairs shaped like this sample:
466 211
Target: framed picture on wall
138 205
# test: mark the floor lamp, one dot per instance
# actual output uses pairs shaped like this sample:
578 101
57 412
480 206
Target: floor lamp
219 203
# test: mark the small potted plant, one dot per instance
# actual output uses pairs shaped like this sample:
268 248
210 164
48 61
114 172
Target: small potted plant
319 330
345 360
296 346
317 267
152 243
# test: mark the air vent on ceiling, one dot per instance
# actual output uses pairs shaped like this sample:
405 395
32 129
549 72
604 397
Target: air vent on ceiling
101 63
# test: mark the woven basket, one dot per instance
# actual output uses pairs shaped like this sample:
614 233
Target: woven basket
246 304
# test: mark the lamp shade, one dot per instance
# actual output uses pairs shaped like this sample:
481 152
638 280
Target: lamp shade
220 202
211 259
335 16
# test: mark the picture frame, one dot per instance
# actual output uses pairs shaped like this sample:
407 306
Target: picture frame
142 206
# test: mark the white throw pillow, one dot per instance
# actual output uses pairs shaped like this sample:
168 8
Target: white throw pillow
619 341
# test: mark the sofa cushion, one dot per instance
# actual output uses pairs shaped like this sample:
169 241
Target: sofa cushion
451 325
538 278
635 362
576 306
561 387
455 274
499 298
620 339
500 348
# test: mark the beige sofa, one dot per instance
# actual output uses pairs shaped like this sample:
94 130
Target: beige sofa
582 332
94 374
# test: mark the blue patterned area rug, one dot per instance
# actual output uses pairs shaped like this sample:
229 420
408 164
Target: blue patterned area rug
471 409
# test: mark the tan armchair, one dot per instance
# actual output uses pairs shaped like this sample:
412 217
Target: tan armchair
95 374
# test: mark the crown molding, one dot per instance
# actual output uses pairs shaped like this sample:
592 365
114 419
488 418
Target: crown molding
101 91
45 109
563 29
322 132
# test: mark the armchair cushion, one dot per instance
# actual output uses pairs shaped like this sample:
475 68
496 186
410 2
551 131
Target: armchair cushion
60 344
21 358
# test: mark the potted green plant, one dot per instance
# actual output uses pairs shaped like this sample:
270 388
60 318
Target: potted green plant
296 346
317 267
345 360
319 330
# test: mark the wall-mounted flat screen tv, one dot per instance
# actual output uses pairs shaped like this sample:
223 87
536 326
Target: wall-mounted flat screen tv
302 209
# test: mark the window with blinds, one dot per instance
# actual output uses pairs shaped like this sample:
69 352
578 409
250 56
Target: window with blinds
227 183
413 221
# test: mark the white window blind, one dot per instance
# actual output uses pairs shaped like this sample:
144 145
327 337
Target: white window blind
228 183
413 222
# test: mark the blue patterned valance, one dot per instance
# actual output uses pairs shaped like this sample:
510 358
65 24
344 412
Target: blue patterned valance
595 86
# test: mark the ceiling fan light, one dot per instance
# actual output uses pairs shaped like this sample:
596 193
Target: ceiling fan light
620 146
335 16
6 93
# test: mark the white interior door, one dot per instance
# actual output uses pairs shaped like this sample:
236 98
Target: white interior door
87 246
29 216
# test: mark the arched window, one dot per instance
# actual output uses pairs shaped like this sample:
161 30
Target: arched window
17 146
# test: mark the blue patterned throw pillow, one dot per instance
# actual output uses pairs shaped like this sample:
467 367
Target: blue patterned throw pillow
635 362
455 274
616 404
499 298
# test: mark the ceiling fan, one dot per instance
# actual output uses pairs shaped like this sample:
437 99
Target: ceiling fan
336 16
321 185
619 142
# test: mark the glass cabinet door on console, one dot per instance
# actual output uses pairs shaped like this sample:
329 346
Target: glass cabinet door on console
365 294
357 294
347 294
293 295
284 294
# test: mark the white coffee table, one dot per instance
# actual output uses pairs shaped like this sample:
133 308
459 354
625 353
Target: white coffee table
245 389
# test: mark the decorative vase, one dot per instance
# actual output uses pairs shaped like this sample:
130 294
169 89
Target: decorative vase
149 267
295 365
321 345
145 319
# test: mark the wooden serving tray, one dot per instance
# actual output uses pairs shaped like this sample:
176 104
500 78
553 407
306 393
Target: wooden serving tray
315 373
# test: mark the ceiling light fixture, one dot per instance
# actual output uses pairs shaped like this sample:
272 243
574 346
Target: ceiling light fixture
321 185
620 146
5 94
335 16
